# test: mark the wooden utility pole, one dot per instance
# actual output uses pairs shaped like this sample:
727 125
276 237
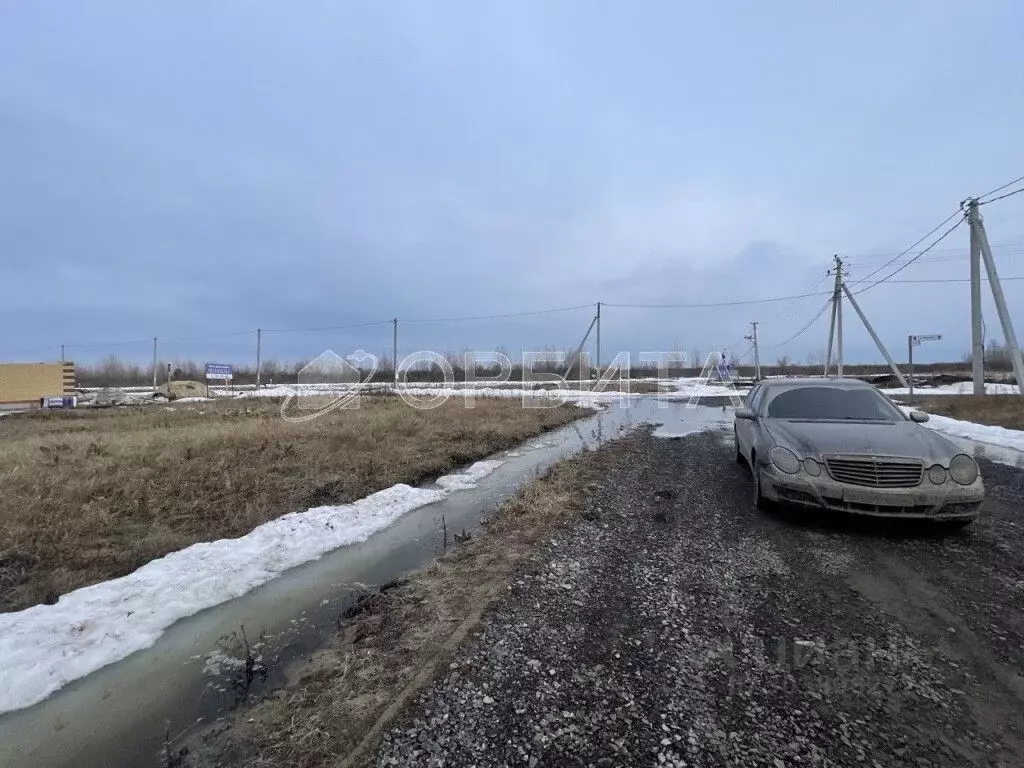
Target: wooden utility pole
836 323
979 242
752 338
977 329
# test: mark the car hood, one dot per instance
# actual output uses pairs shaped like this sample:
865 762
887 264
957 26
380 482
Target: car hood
902 438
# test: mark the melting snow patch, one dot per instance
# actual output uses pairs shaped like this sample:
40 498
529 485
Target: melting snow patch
980 433
47 646
469 477
957 388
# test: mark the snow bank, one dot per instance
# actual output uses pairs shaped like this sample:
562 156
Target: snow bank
47 646
979 433
958 388
669 433
673 389
686 388
432 391
470 477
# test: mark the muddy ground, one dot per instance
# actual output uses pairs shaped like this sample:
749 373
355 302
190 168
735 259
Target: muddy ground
672 624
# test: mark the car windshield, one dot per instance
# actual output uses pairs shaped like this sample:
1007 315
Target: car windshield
831 403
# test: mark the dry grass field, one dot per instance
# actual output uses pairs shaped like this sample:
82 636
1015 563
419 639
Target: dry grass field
997 410
89 496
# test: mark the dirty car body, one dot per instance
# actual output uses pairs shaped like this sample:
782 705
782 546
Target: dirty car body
841 444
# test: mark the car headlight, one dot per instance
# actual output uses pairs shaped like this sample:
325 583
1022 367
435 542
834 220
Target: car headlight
963 469
784 459
937 474
811 467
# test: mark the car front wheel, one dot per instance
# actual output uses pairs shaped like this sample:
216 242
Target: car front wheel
760 502
739 453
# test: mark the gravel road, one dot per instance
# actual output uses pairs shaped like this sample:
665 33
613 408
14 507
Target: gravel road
675 625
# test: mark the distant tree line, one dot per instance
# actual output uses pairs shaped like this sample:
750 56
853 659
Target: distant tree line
997 357
115 372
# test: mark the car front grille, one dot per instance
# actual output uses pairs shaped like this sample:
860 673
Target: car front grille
875 472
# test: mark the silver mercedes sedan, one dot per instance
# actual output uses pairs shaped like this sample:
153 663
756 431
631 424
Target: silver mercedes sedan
841 444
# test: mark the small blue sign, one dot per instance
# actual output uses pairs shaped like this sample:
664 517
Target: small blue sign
60 401
219 372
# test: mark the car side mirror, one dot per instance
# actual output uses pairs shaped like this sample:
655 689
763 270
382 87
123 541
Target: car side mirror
745 413
918 416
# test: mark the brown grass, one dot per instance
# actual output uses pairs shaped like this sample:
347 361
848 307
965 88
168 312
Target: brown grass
996 410
89 496
339 703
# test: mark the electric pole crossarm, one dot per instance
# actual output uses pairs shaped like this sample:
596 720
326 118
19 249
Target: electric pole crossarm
874 336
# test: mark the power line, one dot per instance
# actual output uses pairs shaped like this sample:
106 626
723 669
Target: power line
801 304
85 344
903 253
743 356
892 274
1016 246
1000 189
799 301
951 280
718 303
211 336
943 259
1001 197
807 327
327 328
500 317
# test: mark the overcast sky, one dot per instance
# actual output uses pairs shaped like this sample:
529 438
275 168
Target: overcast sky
189 169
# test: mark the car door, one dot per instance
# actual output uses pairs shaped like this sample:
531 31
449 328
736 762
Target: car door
745 428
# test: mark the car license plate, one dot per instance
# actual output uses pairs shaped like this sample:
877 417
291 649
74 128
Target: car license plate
860 497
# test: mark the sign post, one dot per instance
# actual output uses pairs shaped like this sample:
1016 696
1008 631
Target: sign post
915 341
217 372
